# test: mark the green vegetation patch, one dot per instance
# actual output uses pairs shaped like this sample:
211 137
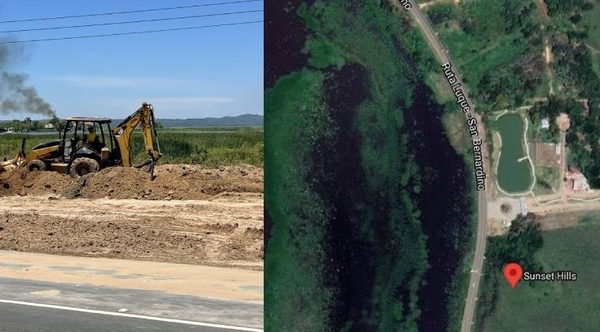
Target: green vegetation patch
575 39
209 149
10 144
442 11
519 245
554 306
334 229
591 25
498 47
583 136
547 180
298 298
535 131
457 132
369 36
364 42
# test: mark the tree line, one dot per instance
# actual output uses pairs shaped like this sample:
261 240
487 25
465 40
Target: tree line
28 124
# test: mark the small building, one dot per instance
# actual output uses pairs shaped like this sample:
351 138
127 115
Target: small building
545 123
580 185
577 181
49 126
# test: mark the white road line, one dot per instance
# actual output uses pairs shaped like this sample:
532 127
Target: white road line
108 313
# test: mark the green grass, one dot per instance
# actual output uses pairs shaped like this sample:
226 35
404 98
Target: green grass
595 54
490 58
456 129
437 82
554 306
589 218
586 220
208 149
592 27
297 298
10 144
491 42
547 178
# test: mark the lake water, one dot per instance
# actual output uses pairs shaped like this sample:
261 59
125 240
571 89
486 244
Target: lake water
445 203
514 172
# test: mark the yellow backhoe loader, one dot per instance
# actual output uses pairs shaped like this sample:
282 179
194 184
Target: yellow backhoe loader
89 144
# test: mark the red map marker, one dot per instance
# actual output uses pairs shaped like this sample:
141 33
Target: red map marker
513 273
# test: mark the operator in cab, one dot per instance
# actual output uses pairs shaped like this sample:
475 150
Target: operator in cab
92 134
92 139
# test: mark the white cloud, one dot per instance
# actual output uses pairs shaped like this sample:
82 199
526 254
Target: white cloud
121 82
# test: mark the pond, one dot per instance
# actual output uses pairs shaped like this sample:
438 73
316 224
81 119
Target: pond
514 168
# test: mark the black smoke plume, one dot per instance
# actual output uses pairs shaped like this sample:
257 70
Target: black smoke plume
15 95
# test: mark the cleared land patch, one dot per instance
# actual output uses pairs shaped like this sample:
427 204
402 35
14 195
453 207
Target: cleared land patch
187 215
546 156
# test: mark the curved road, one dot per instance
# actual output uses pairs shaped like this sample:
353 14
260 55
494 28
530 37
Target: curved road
440 53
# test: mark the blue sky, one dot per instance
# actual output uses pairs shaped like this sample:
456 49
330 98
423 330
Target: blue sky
210 72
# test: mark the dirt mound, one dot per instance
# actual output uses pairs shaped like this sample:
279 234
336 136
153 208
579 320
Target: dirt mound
221 233
21 182
131 239
180 182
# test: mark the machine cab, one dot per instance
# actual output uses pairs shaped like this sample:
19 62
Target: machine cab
86 137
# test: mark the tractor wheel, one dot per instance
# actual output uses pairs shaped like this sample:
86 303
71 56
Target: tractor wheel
83 166
36 165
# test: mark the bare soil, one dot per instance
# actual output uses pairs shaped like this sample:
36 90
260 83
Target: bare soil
563 122
546 155
240 285
186 215
184 182
559 220
543 8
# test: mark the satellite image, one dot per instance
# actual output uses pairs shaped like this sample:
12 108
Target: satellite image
432 165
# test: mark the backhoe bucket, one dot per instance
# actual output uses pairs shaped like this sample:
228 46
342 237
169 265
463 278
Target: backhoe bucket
11 164
8 165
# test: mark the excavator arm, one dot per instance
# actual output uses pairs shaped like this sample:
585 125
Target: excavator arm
144 117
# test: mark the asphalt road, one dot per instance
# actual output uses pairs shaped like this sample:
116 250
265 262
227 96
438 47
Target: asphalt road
439 51
30 305
21 318
482 232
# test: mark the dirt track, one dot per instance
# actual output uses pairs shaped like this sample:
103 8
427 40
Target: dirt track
120 213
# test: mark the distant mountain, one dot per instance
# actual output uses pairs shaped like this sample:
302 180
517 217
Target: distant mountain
246 120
